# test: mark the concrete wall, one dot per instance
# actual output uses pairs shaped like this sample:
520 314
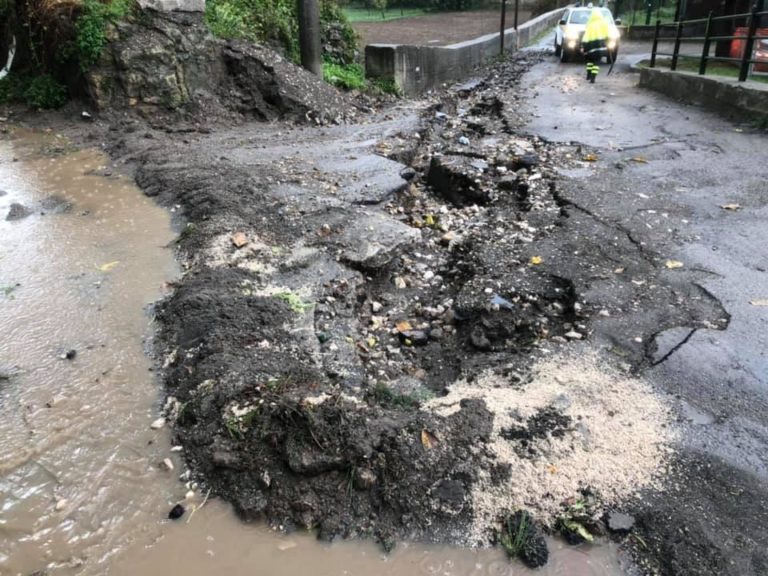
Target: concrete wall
417 69
723 95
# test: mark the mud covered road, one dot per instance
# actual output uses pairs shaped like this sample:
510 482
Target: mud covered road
416 325
522 294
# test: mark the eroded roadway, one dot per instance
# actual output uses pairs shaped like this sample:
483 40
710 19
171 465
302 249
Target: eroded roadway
663 173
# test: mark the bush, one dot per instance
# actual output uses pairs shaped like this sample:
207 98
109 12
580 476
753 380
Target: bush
37 92
45 92
349 77
274 22
91 27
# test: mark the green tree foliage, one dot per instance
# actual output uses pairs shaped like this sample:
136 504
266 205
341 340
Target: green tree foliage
274 22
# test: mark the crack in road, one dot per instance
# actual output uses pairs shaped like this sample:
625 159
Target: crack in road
566 202
674 349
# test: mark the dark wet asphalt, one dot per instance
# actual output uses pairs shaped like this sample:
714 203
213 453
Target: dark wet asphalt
687 164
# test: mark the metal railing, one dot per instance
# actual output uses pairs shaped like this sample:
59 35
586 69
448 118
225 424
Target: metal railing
747 41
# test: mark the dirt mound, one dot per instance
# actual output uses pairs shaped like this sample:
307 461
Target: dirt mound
356 352
168 61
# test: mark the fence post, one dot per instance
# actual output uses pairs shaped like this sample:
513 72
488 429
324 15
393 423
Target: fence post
655 43
748 46
676 51
503 26
705 50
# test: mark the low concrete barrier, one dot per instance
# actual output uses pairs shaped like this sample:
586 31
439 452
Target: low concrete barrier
417 69
726 96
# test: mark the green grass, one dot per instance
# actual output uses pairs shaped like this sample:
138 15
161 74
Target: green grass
349 77
373 15
689 64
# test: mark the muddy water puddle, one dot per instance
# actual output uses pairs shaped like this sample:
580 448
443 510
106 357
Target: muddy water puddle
82 490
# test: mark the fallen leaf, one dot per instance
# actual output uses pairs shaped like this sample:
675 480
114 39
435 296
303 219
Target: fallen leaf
732 207
108 266
639 160
590 158
672 264
403 326
536 260
239 239
579 529
759 302
428 440
371 342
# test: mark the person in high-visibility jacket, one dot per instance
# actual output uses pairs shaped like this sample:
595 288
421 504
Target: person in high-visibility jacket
594 42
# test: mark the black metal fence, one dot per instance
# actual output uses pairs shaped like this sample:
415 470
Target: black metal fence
689 31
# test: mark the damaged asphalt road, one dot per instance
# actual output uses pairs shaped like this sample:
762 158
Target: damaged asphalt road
362 302
664 174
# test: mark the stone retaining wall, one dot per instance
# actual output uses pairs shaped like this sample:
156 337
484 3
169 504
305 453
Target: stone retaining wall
417 69
738 100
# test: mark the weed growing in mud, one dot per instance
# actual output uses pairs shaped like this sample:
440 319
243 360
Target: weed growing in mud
185 233
384 395
294 301
233 428
521 538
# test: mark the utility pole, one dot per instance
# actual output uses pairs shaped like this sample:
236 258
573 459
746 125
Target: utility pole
309 35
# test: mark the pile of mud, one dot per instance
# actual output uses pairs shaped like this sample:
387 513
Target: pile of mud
367 348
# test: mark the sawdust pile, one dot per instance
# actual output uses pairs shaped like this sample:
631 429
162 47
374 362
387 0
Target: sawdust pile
576 424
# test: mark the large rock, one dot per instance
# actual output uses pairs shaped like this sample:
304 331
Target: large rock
371 240
167 60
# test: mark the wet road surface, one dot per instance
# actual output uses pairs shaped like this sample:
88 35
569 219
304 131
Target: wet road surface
690 187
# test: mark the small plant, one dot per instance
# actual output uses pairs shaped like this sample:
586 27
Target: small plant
387 86
349 77
233 428
294 301
185 233
521 538
579 519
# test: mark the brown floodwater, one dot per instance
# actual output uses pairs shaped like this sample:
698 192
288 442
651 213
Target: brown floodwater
82 488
